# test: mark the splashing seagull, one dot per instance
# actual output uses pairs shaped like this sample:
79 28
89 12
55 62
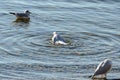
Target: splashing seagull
103 68
57 39
22 17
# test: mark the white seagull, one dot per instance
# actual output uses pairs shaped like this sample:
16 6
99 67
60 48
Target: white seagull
57 39
103 68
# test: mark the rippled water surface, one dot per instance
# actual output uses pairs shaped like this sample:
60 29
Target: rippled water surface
92 27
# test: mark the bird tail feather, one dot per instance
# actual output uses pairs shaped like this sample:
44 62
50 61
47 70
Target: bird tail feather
92 76
12 13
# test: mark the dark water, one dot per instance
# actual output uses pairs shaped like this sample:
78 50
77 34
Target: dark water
91 26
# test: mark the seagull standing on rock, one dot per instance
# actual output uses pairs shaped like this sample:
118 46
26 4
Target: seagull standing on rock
103 68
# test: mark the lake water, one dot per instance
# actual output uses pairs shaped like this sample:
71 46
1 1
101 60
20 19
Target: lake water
91 26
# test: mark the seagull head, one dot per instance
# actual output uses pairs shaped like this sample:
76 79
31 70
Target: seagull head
28 12
54 33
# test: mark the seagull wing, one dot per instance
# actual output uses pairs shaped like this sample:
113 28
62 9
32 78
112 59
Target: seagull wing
21 15
59 38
